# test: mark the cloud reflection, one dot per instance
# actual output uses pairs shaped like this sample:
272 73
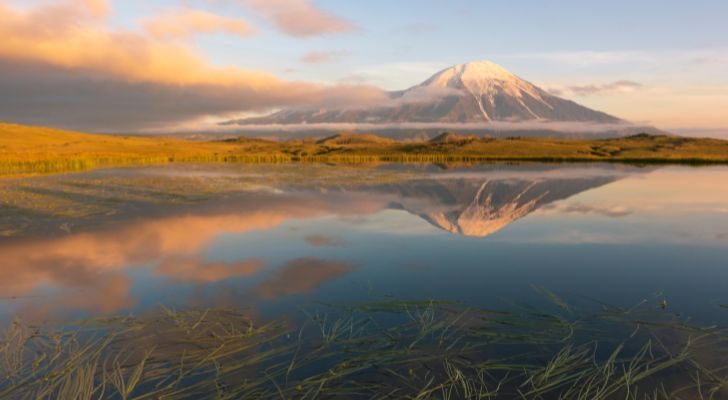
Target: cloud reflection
302 275
90 270
198 270
94 267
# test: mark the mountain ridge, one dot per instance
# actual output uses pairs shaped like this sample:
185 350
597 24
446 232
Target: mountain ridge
479 92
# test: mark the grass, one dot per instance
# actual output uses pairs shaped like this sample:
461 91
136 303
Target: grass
31 150
389 349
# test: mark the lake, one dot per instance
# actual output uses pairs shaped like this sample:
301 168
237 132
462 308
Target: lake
508 280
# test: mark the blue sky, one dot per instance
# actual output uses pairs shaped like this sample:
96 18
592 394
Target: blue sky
674 54
446 33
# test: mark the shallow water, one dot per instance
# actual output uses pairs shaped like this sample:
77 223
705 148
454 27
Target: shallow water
277 239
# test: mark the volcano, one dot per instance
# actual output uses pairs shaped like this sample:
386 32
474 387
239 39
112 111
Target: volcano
475 93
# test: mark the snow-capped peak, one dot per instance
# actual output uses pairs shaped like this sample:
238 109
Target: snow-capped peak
476 72
484 81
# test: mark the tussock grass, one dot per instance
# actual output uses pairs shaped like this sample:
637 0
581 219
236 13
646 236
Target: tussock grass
30 150
409 349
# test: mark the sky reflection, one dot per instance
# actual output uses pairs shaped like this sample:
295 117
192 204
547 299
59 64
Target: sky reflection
472 235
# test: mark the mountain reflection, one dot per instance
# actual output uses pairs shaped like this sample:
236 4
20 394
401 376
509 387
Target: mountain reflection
97 270
482 207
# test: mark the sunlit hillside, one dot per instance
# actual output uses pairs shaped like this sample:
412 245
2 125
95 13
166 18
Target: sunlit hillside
41 150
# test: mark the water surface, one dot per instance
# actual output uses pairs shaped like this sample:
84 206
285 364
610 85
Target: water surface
126 240
278 239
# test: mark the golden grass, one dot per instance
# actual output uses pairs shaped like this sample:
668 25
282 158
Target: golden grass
28 150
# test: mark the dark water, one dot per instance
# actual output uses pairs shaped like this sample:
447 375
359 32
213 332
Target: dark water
275 240
121 241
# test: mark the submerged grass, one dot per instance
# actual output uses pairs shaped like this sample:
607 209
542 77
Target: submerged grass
31 150
409 349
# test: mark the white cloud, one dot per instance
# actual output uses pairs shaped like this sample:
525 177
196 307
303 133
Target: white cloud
320 57
616 87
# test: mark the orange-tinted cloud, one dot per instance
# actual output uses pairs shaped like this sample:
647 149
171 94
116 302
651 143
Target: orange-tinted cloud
299 18
86 261
66 36
198 270
324 241
319 57
61 65
109 294
79 266
301 276
184 23
98 8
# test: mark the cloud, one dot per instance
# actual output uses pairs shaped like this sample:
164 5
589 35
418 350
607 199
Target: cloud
100 263
579 208
324 241
99 8
67 36
299 18
622 86
320 57
425 94
184 23
493 126
197 270
301 276
42 94
60 65
108 294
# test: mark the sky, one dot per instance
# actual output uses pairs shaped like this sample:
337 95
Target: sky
141 65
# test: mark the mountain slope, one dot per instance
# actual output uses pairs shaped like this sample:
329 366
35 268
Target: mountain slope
478 92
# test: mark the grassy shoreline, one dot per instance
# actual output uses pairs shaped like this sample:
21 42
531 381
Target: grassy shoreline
31 150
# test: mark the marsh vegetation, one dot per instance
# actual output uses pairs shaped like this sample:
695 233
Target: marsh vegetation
380 349
27 150
342 281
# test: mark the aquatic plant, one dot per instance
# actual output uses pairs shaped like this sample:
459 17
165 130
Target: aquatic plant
388 349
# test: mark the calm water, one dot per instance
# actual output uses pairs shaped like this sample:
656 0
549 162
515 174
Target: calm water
278 239
274 238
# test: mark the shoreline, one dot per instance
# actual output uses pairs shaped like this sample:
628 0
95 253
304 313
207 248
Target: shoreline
33 151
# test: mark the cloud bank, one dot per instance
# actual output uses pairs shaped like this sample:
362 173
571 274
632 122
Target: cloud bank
493 126
61 65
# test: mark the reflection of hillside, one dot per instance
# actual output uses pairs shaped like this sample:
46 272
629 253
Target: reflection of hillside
481 207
